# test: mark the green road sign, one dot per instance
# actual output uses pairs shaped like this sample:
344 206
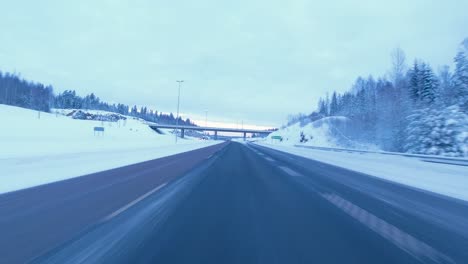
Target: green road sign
277 137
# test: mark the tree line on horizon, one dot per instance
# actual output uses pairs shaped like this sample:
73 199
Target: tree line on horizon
412 109
17 91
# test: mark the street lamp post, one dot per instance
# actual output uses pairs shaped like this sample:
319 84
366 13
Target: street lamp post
178 104
206 118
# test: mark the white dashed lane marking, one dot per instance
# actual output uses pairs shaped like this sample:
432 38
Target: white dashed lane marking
290 171
122 209
406 242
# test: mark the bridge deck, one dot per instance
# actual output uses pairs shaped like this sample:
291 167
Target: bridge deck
219 129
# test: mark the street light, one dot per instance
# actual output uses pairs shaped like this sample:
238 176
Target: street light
206 118
178 104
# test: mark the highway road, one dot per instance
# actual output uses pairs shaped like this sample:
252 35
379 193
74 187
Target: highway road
231 203
36 220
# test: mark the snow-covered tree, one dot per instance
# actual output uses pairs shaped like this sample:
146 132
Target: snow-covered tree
438 132
423 84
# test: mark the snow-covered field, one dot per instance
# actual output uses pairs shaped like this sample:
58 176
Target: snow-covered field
54 147
450 180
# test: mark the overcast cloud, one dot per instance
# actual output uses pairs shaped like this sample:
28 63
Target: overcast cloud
256 60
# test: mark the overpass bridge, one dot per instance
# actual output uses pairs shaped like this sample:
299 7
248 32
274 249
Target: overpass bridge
214 129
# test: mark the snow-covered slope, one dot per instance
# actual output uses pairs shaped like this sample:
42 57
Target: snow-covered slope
325 132
25 134
37 149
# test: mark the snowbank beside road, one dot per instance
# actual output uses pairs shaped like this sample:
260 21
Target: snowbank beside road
41 149
449 180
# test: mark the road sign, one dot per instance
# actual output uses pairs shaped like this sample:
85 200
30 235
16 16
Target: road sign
99 130
277 137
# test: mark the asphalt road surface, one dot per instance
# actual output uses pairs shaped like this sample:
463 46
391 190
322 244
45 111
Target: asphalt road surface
231 203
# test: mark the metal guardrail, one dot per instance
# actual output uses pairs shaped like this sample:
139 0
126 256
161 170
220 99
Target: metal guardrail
426 158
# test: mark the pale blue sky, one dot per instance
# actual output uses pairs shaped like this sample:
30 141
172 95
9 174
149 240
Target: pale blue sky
256 60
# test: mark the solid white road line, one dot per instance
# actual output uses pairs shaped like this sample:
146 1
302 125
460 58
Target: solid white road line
399 238
122 209
269 159
290 171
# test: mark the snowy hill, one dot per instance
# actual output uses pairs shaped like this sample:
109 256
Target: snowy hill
39 148
325 132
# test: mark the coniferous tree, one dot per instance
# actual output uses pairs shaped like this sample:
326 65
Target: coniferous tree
428 85
447 94
323 107
460 76
334 105
415 82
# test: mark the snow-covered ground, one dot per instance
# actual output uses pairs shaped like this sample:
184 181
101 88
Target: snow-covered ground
450 180
54 147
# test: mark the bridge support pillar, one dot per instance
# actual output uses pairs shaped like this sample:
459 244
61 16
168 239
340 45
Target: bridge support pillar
182 133
245 135
216 135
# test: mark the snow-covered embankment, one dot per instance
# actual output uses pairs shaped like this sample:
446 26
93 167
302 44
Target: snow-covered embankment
36 150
